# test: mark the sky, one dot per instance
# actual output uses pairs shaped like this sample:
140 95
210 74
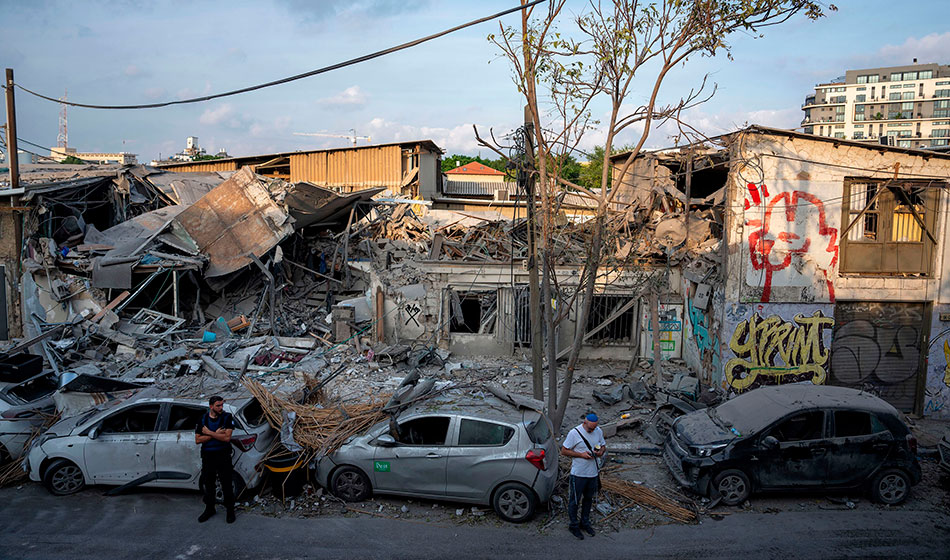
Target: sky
136 51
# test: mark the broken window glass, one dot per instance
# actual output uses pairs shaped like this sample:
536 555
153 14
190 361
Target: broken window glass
801 427
430 430
473 312
132 420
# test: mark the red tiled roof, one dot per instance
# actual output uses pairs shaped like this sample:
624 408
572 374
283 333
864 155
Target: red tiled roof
473 168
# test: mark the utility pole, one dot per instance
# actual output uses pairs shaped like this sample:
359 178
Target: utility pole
534 288
12 160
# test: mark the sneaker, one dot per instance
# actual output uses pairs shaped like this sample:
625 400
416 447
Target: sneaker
230 515
589 530
577 533
208 512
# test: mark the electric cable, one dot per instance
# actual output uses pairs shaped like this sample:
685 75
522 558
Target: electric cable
288 79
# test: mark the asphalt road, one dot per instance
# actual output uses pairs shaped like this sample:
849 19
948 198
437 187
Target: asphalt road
150 524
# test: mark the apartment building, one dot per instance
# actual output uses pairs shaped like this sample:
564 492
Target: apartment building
908 105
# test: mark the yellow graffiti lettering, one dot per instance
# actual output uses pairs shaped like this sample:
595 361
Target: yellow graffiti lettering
946 369
775 348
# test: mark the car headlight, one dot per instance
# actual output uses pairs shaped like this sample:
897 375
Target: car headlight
705 450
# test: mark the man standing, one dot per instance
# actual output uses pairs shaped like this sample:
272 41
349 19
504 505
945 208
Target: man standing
214 435
583 444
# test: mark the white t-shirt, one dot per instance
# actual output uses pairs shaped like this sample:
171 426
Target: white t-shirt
583 467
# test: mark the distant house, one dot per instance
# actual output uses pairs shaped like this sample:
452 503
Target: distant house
475 171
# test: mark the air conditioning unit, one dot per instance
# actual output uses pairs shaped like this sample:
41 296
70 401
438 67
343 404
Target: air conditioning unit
501 195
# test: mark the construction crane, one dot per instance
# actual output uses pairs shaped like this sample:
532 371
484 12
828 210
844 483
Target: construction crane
352 137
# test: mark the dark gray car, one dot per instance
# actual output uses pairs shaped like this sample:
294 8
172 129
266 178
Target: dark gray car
479 451
794 437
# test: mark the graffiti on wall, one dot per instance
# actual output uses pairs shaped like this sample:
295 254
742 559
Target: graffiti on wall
771 350
946 369
877 348
782 233
707 345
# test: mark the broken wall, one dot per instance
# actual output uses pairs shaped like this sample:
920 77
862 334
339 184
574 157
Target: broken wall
9 266
786 301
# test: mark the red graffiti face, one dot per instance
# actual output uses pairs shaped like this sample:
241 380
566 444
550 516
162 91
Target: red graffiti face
784 232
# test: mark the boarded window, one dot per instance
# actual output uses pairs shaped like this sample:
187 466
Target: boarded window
887 227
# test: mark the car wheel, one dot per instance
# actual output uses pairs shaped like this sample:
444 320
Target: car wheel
890 487
236 482
514 502
351 484
63 477
733 486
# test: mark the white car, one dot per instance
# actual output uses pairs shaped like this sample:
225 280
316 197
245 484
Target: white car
147 440
24 407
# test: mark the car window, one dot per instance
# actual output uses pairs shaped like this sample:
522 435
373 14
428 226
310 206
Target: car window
801 427
184 418
254 413
538 429
476 432
429 430
34 389
851 423
137 419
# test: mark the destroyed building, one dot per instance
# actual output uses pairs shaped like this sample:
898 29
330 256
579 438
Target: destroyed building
832 269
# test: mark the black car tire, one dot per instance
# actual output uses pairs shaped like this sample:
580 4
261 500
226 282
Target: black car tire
63 478
890 487
351 484
514 502
733 486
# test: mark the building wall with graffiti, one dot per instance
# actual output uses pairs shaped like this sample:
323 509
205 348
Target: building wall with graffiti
937 389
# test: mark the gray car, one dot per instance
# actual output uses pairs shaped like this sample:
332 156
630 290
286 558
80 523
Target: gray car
480 451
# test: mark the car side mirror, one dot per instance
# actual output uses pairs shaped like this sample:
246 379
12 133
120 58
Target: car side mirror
769 442
386 440
94 432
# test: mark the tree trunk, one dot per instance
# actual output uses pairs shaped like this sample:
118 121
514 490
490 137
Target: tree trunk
655 327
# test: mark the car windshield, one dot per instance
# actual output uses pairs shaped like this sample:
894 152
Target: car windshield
749 412
33 389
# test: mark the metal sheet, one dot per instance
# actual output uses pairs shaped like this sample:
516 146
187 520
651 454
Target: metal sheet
232 221
310 204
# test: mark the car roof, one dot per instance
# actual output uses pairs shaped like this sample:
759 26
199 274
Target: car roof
805 395
479 405
235 399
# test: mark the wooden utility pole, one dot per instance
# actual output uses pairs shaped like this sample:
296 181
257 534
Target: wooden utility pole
12 160
534 288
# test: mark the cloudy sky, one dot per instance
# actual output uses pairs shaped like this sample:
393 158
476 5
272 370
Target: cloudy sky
131 51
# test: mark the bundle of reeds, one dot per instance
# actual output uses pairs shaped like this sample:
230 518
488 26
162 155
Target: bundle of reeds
646 497
320 428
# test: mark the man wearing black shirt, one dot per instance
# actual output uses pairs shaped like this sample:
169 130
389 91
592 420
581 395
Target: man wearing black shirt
214 435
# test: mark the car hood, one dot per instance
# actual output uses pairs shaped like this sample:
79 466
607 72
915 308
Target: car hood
67 425
697 428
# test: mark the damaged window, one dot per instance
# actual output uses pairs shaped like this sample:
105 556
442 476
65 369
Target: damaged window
475 432
853 423
132 420
611 320
889 227
254 414
184 418
473 312
430 430
801 427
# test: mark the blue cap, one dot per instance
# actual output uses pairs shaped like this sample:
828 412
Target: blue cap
591 417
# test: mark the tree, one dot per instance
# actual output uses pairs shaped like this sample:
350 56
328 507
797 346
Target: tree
610 52
456 160
72 160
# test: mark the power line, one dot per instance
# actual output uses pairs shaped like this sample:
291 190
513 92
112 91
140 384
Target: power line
323 70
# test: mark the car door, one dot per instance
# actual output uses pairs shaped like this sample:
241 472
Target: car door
124 447
417 463
799 458
484 455
177 457
859 444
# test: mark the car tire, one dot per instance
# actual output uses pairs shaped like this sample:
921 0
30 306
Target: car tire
733 486
890 487
351 484
63 477
514 502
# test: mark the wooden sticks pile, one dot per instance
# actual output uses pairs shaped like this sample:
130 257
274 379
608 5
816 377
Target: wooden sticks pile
641 495
320 429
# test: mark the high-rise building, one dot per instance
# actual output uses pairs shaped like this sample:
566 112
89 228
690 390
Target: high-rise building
908 106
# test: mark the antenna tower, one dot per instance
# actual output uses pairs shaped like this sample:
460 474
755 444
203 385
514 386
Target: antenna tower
63 139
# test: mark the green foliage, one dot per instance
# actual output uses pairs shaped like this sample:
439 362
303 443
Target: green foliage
72 160
456 160
206 157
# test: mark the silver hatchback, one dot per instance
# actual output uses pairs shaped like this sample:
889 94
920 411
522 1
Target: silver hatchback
476 450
